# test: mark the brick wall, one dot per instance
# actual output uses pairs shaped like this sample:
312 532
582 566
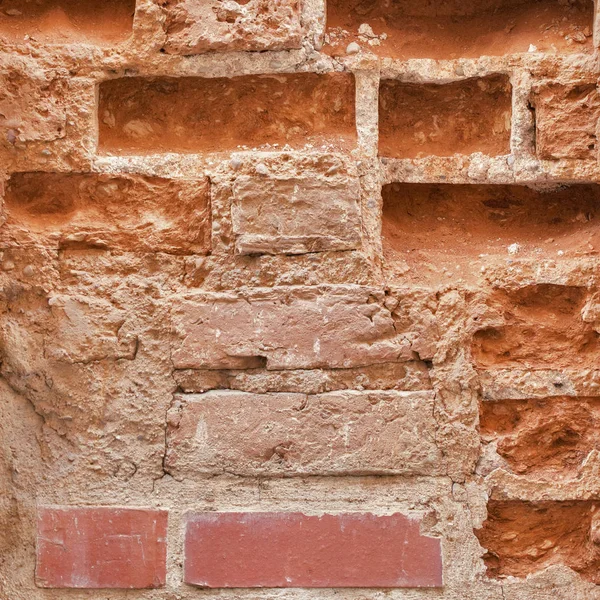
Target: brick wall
299 295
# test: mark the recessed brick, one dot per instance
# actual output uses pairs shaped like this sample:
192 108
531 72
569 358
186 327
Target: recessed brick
142 115
460 117
295 215
101 548
110 212
346 432
65 21
539 326
454 28
522 538
542 435
430 228
286 550
566 118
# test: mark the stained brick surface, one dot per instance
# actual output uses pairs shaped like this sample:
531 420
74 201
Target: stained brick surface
101 548
296 434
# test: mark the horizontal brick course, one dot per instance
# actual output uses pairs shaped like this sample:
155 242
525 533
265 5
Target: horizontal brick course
246 550
333 327
296 434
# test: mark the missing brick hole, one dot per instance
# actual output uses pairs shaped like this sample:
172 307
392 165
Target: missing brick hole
67 21
522 538
543 328
109 212
454 29
436 231
462 117
193 114
551 436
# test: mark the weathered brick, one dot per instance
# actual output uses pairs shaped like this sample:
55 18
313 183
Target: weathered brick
197 26
286 328
566 118
245 550
297 434
88 328
295 215
111 212
32 103
101 547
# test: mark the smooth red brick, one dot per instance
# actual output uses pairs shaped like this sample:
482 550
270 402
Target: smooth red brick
247 550
101 548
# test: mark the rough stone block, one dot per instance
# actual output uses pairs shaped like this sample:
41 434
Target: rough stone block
101 548
197 26
285 328
245 550
295 215
346 432
566 120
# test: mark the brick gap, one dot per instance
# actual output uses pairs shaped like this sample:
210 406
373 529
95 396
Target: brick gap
542 435
110 212
61 21
432 229
448 30
430 119
523 537
540 326
193 114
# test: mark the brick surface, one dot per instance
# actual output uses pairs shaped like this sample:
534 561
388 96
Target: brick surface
295 215
300 256
197 26
101 548
566 120
297 434
342 327
237 550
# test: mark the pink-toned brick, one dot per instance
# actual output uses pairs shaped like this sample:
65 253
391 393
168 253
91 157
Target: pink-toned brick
345 432
101 548
286 328
246 550
198 26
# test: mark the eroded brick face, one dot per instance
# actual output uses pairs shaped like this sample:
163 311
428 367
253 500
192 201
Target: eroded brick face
198 26
316 283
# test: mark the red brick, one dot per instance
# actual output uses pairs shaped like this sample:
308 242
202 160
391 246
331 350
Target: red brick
101 548
237 550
